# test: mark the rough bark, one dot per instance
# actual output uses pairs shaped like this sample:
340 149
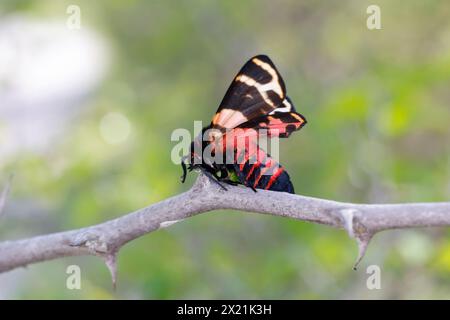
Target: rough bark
361 221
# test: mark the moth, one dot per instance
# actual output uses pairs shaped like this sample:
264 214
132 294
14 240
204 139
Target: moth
254 105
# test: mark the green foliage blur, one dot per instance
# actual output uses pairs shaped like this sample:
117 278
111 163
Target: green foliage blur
378 110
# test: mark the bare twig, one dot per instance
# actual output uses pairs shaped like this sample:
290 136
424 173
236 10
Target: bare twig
361 221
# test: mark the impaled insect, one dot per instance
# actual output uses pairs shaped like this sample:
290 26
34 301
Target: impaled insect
255 104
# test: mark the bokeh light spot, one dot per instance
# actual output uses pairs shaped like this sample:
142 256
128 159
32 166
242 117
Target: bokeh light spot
115 128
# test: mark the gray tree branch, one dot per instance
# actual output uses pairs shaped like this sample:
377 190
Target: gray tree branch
361 221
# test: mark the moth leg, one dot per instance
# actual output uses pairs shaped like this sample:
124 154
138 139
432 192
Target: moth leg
213 177
241 177
230 182
183 166
224 177
239 174
223 173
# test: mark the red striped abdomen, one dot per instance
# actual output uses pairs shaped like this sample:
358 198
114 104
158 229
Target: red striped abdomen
258 170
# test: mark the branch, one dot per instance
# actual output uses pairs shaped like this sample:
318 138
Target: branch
361 221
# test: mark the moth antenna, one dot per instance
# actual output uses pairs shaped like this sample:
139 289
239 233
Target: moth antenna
183 165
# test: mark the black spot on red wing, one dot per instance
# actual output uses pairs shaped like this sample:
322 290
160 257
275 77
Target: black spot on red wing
289 129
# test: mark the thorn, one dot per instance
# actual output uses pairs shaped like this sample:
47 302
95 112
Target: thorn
363 243
5 193
362 238
111 263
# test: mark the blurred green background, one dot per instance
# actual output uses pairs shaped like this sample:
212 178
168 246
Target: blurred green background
378 106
